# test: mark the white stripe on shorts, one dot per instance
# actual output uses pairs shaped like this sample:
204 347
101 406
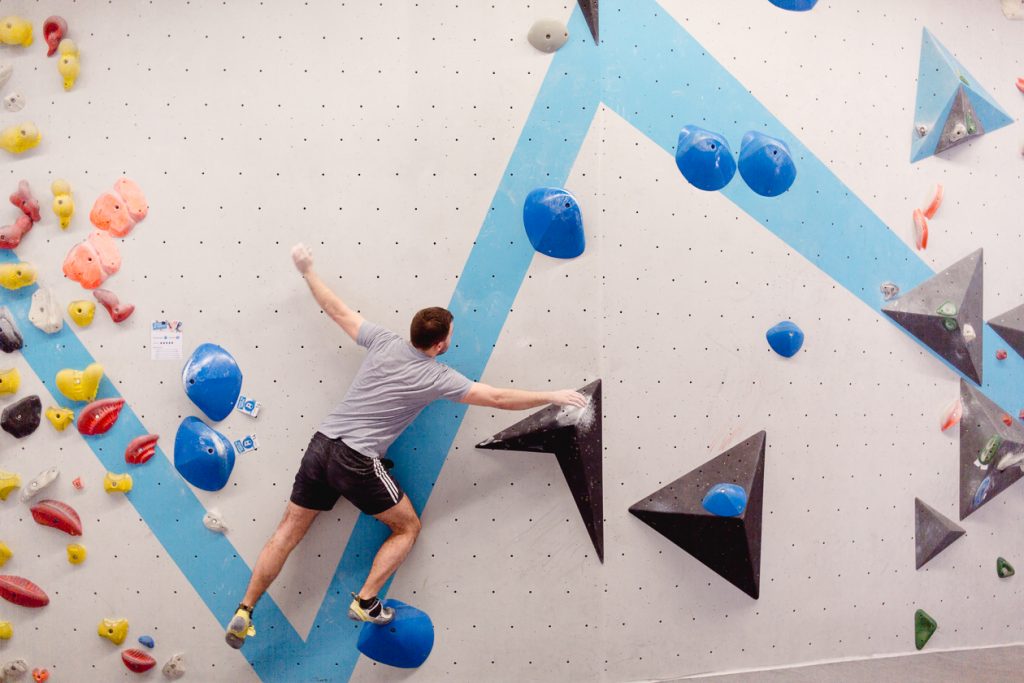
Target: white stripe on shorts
385 479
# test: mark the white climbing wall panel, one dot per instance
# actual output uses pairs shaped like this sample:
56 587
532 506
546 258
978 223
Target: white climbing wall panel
377 133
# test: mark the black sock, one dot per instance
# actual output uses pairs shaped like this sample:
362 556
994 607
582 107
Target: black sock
248 609
371 603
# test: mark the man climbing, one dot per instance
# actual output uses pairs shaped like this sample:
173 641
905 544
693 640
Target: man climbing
345 457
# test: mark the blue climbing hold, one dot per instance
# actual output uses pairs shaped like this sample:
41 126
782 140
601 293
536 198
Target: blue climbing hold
404 643
785 338
795 5
553 222
704 158
725 500
147 641
212 380
766 164
203 455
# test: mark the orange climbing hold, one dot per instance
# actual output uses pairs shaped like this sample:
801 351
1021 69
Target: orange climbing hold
1020 84
952 414
920 229
935 203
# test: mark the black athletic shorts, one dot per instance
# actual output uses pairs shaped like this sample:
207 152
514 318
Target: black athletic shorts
330 469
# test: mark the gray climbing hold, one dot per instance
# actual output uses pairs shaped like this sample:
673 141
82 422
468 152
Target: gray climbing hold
1010 326
981 428
547 35
574 436
954 337
961 125
730 546
933 532
10 336
21 418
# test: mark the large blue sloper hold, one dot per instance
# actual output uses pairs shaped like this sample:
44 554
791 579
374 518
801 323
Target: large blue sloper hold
786 338
202 455
405 643
766 164
795 5
704 158
553 222
212 380
725 500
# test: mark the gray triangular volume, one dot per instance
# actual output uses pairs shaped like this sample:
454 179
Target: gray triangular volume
730 546
574 436
921 312
961 113
985 440
933 532
589 8
1010 326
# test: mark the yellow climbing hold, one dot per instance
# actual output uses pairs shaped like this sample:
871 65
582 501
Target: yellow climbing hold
20 137
6 630
10 380
8 482
82 312
76 553
117 483
80 385
5 553
67 63
60 417
15 31
114 630
17 275
63 204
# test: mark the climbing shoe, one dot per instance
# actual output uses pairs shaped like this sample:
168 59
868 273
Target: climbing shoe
374 612
239 628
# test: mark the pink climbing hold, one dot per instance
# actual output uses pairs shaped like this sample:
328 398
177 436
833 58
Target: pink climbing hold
55 29
92 261
134 199
21 591
118 311
936 202
10 235
99 416
58 515
1000 354
119 210
23 199
1020 84
920 229
77 483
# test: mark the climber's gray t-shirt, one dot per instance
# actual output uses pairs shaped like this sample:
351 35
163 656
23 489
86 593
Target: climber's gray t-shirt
395 382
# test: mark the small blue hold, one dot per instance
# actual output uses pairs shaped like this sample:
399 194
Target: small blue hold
405 643
553 222
795 5
983 489
725 500
147 641
704 158
766 164
785 338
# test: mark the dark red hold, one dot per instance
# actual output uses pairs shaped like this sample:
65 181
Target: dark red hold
22 592
58 515
117 310
1001 354
54 30
99 416
23 199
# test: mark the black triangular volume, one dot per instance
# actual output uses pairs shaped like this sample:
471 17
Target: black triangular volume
933 532
589 8
573 435
1010 326
956 336
985 441
730 546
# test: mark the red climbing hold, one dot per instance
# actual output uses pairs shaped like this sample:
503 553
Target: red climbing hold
118 311
920 229
22 592
935 203
140 449
60 516
1020 84
99 416
1001 354
137 660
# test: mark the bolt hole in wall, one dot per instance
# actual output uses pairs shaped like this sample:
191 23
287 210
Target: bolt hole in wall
403 132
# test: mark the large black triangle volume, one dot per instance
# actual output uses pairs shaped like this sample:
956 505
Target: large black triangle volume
944 313
933 532
589 8
730 546
574 436
1010 326
986 442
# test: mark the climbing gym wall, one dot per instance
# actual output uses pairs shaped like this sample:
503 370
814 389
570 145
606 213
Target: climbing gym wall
822 511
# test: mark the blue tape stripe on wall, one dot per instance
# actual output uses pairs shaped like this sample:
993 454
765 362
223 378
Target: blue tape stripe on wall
644 59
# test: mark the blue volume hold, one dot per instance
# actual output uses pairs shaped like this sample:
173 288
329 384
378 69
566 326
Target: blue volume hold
405 643
766 164
147 641
212 380
725 500
704 158
202 455
553 222
795 5
785 338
